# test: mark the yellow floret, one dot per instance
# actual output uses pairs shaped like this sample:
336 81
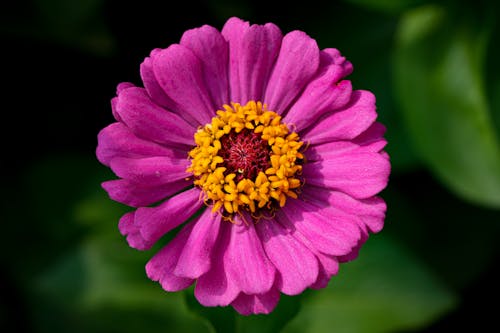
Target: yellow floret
276 183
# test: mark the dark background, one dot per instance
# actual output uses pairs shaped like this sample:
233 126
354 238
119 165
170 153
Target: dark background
61 62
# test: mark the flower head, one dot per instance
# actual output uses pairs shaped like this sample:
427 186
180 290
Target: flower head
259 146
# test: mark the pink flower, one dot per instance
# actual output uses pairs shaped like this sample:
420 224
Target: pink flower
259 146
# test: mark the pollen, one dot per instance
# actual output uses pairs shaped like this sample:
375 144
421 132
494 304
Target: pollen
246 159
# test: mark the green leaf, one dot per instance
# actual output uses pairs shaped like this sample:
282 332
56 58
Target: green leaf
90 280
102 287
493 68
439 78
385 290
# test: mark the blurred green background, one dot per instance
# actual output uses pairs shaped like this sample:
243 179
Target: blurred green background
434 68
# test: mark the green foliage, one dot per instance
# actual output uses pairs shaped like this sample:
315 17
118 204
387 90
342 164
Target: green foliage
101 287
95 283
385 290
440 82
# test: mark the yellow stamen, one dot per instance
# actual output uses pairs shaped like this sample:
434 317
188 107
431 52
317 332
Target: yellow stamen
272 186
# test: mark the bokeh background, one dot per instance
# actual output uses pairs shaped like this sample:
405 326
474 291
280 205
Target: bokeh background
434 68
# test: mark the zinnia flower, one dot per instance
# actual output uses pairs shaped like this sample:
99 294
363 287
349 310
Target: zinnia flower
259 146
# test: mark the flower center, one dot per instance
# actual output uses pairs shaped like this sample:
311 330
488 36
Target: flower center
245 154
246 159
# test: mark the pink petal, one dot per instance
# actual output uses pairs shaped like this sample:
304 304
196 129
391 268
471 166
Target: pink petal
150 121
137 195
211 48
344 124
329 230
360 175
195 259
161 267
179 73
260 48
333 56
373 136
114 101
152 86
324 93
128 228
319 97
256 304
123 86
297 63
246 262
328 266
119 88
117 140
233 31
371 211
150 171
355 252
154 222
336 149
214 288
252 57
297 265
329 150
